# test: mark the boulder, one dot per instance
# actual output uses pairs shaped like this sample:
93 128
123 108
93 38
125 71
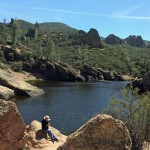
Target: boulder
12 126
146 82
108 75
6 93
12 54
93 39
137 83
90 73
142 84
20 87
100 133
57 71
136 41
113 40
35 139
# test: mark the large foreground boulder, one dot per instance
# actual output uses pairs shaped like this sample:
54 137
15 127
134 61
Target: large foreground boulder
36 139
20 87
100 133
12 126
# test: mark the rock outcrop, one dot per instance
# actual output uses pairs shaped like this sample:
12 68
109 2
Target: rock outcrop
57 71
91 74
96 74
20 87
100 133
111 76
136 41
142 84
146 82
35 139
6 93
113 40
12 54
12 127
93 39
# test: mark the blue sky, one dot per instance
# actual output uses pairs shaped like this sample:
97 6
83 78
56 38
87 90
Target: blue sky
119 17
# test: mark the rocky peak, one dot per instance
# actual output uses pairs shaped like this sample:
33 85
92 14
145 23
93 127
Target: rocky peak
93 39
136 41
113 40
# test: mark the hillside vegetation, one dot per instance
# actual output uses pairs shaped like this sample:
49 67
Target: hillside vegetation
61 43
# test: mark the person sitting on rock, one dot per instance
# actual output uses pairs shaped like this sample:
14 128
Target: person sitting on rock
45 128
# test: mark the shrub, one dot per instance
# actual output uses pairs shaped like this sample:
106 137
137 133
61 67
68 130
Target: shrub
134 110
17 66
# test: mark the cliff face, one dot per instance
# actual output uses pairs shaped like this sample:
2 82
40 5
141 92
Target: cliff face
12 126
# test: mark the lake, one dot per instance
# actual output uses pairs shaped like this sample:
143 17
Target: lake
69 104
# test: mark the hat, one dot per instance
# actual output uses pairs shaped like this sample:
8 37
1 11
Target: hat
47 118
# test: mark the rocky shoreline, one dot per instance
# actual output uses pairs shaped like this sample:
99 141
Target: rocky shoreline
100 132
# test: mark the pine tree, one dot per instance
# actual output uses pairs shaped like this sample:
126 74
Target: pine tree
15 31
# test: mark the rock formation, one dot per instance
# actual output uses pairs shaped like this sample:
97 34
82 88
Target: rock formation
93 39
111 76
12 127
6 93
100 133
142 84
35 139
146 81
136 41
113 40
20 87
90 73
57 71
11 54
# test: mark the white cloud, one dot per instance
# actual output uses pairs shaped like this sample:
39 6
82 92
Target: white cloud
130 17
119 16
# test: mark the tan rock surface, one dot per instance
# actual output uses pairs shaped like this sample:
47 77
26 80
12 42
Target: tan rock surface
6 93
35 139
12 126
20 87
100 133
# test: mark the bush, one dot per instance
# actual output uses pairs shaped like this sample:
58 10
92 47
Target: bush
134 110
17 66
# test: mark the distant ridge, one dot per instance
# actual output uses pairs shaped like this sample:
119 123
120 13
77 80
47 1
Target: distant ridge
51 26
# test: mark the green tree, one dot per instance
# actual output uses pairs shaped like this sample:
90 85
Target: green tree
134 110
83 54
49 50
15 31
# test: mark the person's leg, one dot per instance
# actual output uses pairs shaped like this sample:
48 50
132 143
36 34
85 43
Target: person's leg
52 136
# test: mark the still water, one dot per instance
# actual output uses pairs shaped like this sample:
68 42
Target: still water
69 104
